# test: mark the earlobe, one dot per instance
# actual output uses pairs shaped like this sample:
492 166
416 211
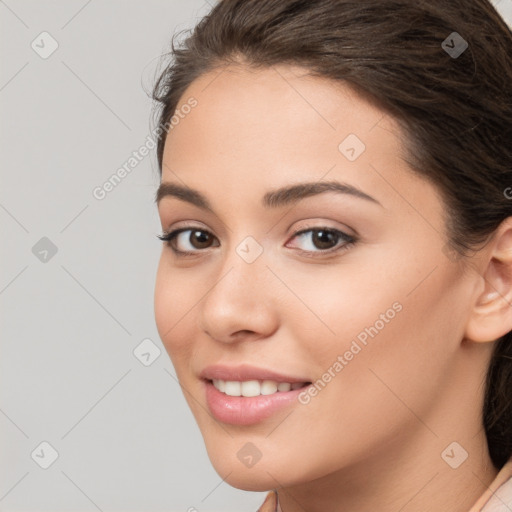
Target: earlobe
491 316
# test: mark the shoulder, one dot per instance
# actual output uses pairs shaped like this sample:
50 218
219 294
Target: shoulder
498 497
270 503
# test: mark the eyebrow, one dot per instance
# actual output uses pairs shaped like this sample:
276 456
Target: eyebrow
273 199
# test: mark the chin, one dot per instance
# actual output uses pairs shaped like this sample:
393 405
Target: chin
250 479
266 474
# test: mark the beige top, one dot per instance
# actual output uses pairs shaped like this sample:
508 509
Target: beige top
497 498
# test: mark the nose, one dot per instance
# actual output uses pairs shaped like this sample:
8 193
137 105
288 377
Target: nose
239 304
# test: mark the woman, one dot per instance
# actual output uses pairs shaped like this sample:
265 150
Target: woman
335 286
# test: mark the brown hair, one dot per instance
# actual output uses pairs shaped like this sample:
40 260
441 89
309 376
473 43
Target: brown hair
455 111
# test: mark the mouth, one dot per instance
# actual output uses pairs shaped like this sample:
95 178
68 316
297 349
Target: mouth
252 388
249 402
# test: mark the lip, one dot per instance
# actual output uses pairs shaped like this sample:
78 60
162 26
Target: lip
246 372
240 410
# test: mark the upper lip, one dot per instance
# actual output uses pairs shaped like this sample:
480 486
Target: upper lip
245 372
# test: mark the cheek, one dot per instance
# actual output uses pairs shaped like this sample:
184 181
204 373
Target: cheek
174 302
391 355
387 330
334 306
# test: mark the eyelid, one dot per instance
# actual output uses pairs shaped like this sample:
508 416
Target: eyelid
323 224
346 239
349 240
169 236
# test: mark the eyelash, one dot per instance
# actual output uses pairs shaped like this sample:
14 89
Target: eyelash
169 237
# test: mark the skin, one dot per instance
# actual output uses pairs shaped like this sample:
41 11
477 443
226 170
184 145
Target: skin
372 438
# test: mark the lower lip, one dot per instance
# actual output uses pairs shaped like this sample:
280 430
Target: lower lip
240 410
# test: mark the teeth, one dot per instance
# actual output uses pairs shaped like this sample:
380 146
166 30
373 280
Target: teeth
250 388
268 387
233 388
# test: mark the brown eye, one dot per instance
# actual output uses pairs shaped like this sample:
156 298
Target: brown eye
323 239
200 239
188 240
320 241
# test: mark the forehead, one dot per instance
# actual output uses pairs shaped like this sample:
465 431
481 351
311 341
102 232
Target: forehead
281 107
257 129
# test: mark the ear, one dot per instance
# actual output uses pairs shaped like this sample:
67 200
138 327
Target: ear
491 316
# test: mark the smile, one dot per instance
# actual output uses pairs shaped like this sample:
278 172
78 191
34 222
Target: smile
250 388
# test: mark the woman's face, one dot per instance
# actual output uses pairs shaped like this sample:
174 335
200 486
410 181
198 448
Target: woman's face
365 304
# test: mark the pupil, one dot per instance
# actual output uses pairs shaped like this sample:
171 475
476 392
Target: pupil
201 237
317 239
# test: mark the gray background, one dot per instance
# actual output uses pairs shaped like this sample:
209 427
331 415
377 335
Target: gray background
70 321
